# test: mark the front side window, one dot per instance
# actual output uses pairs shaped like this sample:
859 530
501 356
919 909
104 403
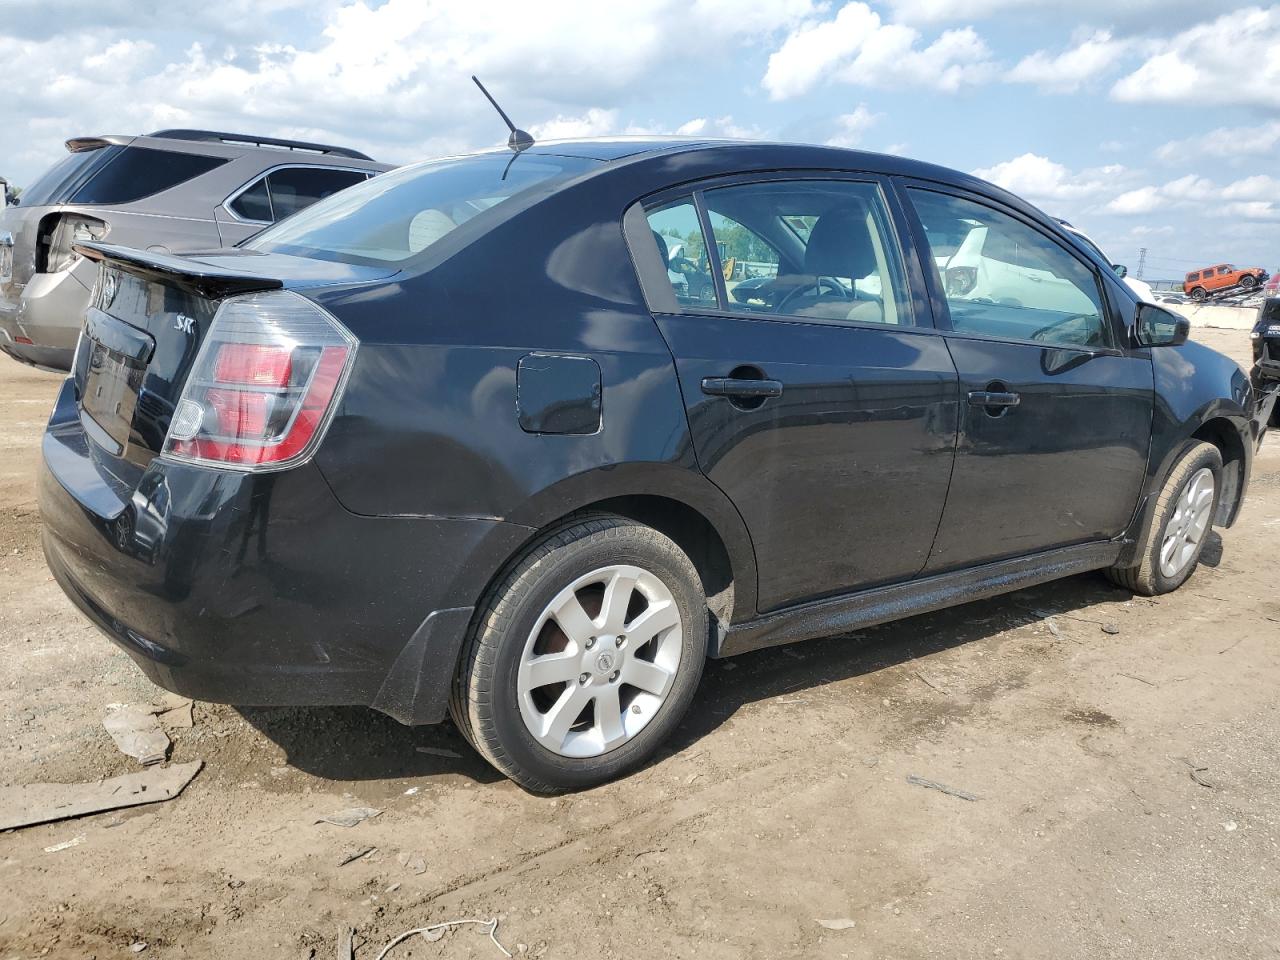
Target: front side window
398 214
1005 279
814 249
1223 271
683 249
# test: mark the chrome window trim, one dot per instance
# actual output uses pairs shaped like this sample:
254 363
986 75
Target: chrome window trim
263 174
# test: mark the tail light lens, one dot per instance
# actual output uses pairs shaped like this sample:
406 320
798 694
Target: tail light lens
262 391
961 280
68 229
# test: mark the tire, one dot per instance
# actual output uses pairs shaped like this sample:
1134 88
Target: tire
1151 576
1198 294
575 569
1248 281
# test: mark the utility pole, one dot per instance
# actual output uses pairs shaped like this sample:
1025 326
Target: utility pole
1142 260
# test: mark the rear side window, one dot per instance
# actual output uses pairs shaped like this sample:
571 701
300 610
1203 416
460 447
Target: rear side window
294 188
138 172
1005 279
1193 276
65 176
683 248
396 215
284 192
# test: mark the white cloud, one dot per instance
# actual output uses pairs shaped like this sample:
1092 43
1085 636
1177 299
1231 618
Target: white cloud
594 123
1068 71
393 79
852 126
856 46
1224 143
1041 180
1141 200
1137 12
1231 61
1254 210
1251 198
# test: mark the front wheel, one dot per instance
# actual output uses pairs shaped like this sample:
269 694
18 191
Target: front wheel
586 656
1248 281
1179 525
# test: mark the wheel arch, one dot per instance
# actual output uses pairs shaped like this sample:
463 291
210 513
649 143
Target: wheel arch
1224 435
679 502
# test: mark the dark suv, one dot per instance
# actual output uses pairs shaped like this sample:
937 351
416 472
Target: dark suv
168 190
465 438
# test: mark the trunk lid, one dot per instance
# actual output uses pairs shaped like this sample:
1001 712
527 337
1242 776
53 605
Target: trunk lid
147 318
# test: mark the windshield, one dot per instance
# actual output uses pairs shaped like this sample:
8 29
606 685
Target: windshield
399 214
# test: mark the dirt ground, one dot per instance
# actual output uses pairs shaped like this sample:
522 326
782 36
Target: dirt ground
783 801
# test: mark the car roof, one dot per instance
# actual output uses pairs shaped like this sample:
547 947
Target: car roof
702 158
272 150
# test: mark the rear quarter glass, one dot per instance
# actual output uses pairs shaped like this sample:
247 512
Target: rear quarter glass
139 172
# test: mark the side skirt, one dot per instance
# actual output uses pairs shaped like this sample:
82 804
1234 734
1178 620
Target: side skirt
836 615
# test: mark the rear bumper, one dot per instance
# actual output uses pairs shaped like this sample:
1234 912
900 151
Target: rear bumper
48 312
261 589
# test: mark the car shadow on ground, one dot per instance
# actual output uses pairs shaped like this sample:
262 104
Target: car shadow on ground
359 744
787 671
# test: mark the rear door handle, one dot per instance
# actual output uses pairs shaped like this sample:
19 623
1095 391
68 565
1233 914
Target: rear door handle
741 388
989 398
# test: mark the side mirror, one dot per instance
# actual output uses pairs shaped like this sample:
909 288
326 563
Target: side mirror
1121 270
1157 327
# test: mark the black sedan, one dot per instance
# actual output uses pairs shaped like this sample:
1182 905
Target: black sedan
459 440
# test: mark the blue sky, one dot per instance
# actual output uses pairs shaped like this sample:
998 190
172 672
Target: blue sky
1149 123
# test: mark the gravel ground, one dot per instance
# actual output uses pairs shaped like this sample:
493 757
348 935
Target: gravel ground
782 802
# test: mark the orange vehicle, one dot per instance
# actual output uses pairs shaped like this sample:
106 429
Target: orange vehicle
1200 283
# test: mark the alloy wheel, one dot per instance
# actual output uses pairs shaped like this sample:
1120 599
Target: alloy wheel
600 661
1187 527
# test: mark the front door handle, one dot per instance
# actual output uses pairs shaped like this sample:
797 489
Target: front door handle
741 388
993 398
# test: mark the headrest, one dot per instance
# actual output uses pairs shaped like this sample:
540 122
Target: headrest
840 244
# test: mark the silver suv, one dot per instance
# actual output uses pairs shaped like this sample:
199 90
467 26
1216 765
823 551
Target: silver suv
167 191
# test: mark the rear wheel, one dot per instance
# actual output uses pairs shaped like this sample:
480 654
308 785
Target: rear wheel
1179 525
585 657
1198 293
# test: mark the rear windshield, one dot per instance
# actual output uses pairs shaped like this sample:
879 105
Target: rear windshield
115 174
65 176
399 214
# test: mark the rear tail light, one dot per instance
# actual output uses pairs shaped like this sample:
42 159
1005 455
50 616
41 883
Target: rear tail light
961 280
262 391
67 230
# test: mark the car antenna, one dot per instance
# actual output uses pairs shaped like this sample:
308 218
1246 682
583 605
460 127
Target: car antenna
519 140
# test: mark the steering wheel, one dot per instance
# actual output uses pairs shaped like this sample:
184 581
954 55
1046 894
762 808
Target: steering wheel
818 285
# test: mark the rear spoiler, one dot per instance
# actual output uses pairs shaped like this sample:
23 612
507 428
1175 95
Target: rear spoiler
85 144
185 272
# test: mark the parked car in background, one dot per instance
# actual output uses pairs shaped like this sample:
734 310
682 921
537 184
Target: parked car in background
1266 355
1199 284
461 439
169 190
1272 286
1140 287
